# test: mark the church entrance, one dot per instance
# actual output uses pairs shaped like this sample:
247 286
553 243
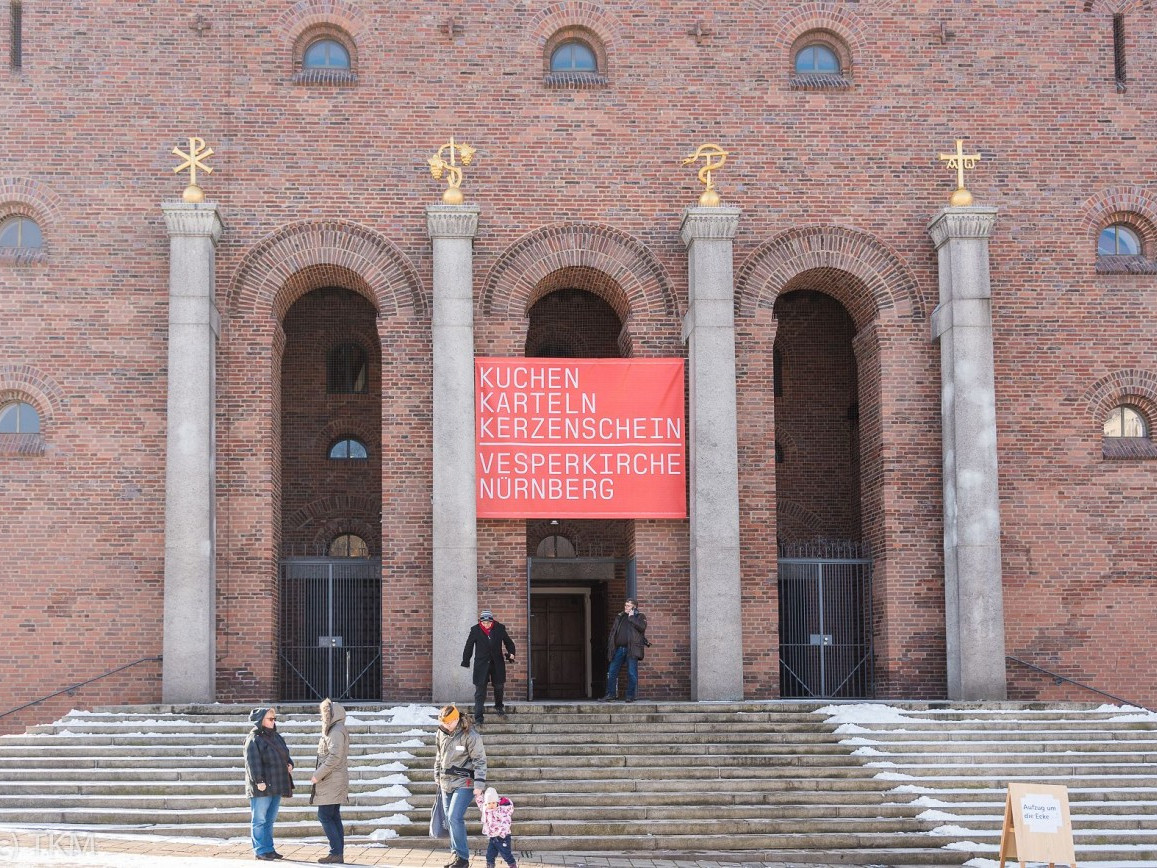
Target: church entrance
572 603
330 580
824 566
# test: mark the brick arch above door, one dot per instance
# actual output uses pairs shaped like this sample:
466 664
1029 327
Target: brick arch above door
880 285
304 256
522 274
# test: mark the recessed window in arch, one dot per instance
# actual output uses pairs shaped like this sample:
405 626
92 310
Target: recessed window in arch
817 59
555 546
19 418
573 56
1118 240
1126 421
349 449
347 369
349 545
20 233
326 54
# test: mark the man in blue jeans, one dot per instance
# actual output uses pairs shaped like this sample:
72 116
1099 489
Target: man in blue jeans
627 642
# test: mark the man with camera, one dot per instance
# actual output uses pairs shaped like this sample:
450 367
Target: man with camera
485 643
626 643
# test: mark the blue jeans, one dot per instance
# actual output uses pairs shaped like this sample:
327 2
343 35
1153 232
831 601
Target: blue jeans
499 845
330 818
456 804
632 673
264 810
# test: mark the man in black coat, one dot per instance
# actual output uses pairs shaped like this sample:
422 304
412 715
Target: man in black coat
485 642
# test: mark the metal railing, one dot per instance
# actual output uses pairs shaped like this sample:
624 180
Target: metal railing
75 687
1060 679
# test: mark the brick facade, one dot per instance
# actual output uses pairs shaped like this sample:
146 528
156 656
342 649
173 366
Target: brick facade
322 186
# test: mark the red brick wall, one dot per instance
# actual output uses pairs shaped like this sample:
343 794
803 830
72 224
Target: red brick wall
593 169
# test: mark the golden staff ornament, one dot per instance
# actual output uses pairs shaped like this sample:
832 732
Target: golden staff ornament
445 162
714 157
960 161
193 162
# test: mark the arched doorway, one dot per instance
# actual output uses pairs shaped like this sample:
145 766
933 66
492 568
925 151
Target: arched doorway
330 587
575 568
824 572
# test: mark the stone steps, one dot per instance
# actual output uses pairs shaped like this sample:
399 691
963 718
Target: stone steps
755 780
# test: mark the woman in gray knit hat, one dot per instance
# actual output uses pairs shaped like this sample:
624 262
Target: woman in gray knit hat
268 777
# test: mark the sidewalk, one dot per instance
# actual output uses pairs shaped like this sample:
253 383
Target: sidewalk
41 849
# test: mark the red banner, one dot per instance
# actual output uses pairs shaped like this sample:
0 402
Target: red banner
580 438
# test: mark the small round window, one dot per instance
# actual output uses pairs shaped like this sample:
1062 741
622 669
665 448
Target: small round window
19 418
326 54
1118 240
349 449
20 233
816 59
1126 421
573 56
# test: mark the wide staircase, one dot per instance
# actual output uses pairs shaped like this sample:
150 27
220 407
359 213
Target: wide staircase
904 783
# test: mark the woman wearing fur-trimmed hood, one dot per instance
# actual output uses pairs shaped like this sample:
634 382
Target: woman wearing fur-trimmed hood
331 778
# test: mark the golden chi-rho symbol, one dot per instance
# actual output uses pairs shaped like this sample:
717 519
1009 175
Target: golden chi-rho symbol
714 157
960 161
193 162
445 162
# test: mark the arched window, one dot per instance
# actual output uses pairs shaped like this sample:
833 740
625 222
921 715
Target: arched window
349 449
349 545
347 369
1126 421
20 233
19 418
573 56
816 58
555 546
1118 240
325 54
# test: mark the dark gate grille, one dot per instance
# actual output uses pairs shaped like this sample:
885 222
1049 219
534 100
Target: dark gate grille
331 629
825 621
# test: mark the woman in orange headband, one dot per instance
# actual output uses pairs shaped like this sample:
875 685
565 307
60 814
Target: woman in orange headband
460 770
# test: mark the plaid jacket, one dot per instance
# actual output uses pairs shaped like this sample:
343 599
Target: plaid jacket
267 762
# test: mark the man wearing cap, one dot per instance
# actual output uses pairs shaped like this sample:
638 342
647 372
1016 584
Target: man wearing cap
485 643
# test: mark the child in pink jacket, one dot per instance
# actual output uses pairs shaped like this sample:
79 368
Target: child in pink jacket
496 816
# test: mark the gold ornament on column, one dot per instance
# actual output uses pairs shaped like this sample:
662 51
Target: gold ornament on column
960 161
445 162
714 157
197 153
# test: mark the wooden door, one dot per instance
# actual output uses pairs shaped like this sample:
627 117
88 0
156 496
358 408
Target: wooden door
558 646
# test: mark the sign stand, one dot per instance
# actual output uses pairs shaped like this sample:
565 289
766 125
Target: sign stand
1037 826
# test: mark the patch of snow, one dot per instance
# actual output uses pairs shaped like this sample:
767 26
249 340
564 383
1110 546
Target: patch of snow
383 834
864 713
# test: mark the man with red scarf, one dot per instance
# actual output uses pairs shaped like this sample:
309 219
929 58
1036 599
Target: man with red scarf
485 643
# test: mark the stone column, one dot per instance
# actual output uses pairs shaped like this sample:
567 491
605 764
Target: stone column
189 671
455 600
962 322
709 330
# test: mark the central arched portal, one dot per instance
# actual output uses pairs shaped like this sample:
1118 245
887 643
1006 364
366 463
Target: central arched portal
330 587
578 570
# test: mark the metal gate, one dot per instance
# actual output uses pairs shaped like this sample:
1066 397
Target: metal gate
331 629
825 621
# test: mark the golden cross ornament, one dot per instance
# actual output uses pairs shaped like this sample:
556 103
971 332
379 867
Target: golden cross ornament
445 162
960 161
714 157
193 161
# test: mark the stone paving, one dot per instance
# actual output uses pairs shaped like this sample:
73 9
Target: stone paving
34 849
